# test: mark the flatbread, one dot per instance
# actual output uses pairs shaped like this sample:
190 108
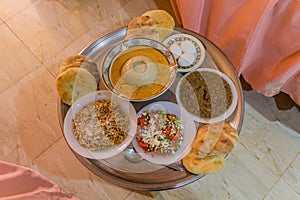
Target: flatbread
82 61
71 61
73 83
206 165
153 24
214 139
210 145
227 140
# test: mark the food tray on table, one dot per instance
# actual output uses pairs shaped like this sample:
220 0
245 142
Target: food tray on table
145 175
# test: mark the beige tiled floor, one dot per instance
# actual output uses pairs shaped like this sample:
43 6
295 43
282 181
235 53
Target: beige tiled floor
37 34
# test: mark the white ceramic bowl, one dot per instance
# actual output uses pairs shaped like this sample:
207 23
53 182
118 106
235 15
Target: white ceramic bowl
124 45
177 39
87 99
189 130
191 96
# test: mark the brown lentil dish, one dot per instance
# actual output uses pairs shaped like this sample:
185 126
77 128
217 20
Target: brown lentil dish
205 94
100 125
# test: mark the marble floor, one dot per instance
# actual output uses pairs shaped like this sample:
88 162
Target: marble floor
37 34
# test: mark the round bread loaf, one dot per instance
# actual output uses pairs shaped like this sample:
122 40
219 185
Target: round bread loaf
206 165
71 61
227 140
154 24
82 61
73 83
214 139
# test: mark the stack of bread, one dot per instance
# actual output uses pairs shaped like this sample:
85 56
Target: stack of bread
153 24
78 76
211 144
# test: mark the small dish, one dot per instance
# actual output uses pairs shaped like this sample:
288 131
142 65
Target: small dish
174 42
189 131
197 89
138 69
88 99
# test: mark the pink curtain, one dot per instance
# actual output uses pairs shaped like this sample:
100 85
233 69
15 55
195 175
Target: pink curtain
17 182
260 37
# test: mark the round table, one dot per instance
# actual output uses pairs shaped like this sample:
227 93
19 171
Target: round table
118 170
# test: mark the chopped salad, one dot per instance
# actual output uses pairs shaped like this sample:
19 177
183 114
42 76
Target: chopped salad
159 131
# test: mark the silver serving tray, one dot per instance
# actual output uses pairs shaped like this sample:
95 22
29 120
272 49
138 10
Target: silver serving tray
162 178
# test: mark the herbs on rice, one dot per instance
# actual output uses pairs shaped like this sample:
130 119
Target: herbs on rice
100 125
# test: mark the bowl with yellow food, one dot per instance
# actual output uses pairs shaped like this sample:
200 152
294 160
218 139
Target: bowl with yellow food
138 69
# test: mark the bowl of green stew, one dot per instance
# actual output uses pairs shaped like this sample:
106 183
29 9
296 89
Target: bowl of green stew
208 95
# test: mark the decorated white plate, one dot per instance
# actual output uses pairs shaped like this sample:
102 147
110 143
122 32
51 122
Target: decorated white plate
189 132
187 97
90 98
188 51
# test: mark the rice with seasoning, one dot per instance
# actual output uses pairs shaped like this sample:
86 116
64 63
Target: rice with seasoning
100 125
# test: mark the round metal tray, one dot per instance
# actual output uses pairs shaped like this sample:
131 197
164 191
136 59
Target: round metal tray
160 178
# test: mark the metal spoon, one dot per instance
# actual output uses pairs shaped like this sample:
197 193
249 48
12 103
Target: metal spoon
132 156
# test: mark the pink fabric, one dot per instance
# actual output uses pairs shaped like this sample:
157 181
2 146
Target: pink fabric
261 38
17 182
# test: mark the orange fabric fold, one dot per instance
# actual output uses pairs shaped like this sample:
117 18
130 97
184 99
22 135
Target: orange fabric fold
261 38
17 182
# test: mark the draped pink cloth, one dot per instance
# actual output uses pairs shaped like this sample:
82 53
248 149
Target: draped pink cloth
17 182
260 37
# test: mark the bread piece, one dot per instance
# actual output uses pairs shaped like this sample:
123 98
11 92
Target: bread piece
73 83
206 138
214 139
82 61
206 165
153 24
227 140
71 61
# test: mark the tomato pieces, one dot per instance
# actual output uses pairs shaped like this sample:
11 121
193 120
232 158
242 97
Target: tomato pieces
168 130
142 121
160 132
173 137
143 144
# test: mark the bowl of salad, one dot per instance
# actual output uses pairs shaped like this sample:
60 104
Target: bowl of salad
165 133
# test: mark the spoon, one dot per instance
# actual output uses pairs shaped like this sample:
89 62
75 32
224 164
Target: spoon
132 156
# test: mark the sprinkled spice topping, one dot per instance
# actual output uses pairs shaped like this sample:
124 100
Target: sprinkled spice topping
100 125
205 94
